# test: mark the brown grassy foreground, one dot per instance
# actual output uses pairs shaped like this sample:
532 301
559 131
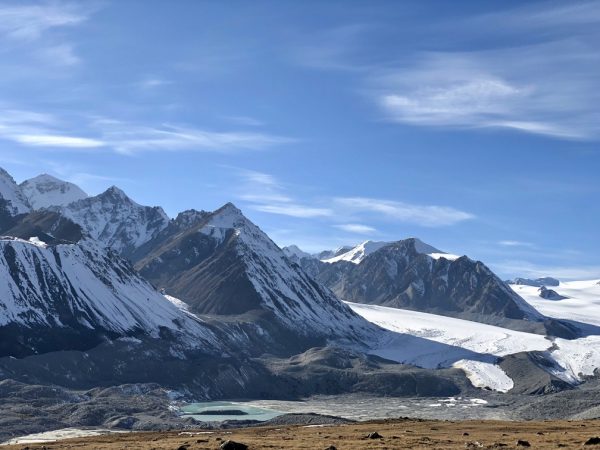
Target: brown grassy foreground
397 434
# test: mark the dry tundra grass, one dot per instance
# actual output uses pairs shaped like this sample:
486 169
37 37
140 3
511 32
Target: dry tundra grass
396 434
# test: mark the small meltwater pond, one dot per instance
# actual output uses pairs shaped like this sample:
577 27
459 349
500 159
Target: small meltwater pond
221 411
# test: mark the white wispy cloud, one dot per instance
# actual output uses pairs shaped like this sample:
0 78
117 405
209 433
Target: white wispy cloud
35 39
267 194
153 82
425 215
129 138
40 130
261 179
509 243
498 89
293 210
260 187
356 228
49 140
546 85
446 101
59 55
334 49
529 17
30 21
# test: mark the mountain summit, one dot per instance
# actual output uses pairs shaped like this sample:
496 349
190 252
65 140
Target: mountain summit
227 266
115 220
45 190
410 274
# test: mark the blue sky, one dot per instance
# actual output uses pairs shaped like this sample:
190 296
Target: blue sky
472 125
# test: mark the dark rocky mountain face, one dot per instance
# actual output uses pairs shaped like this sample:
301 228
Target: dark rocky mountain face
226 266
13 201
399 276
184 222
550 294
48 226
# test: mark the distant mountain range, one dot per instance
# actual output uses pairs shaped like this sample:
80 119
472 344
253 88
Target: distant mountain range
410 274
227 312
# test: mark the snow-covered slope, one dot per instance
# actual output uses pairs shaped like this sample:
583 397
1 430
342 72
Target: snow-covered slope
581 302
295 253
409 274
11 194
358 253
78 292
284 289
117 221
474 347
328 254
45 190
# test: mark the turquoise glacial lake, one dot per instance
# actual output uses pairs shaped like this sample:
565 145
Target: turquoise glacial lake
221 411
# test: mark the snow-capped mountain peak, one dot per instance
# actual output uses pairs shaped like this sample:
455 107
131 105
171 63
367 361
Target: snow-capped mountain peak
228 216
14 200
294 252
422 247
231 267
190 217
358 253
73 295
45 190
117 194
116 220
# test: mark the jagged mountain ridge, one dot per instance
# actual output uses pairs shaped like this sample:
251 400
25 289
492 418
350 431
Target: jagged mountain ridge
227 266
401 275
138 232
294 253
59 294
115 220
358 253
251 263
224 267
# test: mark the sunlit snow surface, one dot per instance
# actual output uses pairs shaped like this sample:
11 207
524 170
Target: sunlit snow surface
358 253
107 294
45 190
431 341
58 435
448 256
582 303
